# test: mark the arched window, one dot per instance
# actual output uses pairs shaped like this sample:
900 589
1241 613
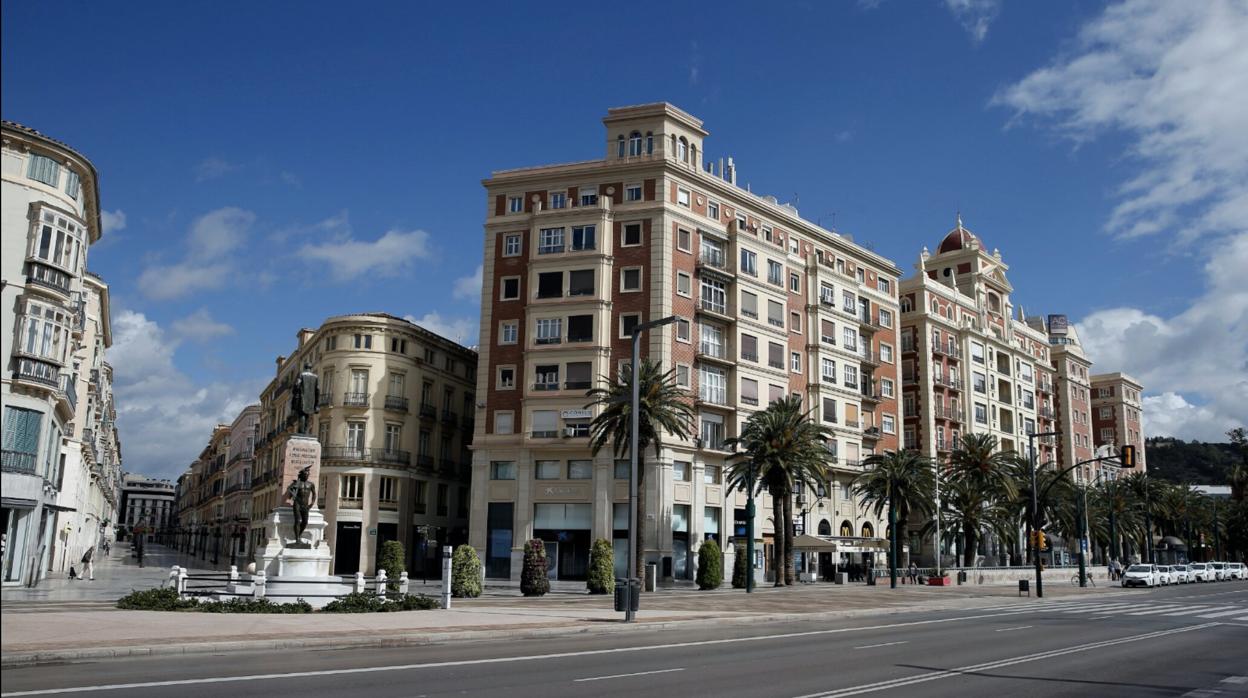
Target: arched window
634 144
693 155
847 529
649 143
825 528
935 307
868 531
906 305
619 146
682 149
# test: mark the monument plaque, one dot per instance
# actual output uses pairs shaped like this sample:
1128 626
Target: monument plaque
301 452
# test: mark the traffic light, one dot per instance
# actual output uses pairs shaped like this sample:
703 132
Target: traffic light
1127 457
1041 543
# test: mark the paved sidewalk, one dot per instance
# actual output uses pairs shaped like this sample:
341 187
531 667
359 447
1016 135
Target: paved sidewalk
116 575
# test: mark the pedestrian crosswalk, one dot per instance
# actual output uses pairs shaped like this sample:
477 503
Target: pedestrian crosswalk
1222 609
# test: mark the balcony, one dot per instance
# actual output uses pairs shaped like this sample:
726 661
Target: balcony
18 462
545 387
715 308
751 356
869 324
424 461
449 417
428 411
853 423
869 394
381 456
714 262
776 364
951 382
543 341
48 276
747 400
942 412
951 352
578 385
387 505
751 314
827 302
1044 386
872 433
325 399
69 387
868 356
38 371
827 339
1046 412
396 403
907 346
776 322
355 400
350 503
831 380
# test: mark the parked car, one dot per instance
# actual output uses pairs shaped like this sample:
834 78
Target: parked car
1180 574
1164 577
1140 575
1238 570
1200 572
1219 571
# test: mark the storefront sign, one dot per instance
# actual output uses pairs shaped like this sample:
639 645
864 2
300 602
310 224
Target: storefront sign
739 519
576 414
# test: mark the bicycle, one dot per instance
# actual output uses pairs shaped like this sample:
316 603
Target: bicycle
1074 581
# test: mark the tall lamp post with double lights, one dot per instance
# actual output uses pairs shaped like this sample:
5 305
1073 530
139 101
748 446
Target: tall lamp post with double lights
634 428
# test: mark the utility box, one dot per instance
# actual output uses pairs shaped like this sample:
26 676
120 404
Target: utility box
627 592
652 576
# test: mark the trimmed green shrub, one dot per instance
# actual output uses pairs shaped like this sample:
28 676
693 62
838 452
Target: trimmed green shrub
710 566
392 560
601 568
249 605
533 579
371 603
165 599
740 568
465 573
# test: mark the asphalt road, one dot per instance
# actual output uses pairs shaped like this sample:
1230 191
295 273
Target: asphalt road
1191 639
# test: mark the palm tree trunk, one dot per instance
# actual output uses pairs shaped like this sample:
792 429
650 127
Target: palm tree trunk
789 571
968 545
778 547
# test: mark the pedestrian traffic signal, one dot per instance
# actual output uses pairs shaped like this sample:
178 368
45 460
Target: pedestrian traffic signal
1127 457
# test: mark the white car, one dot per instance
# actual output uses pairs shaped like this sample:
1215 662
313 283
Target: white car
1180 574
1141 575
1237 570
1200 572
1219 570
1163 575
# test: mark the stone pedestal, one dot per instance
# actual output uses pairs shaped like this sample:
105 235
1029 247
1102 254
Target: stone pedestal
297 568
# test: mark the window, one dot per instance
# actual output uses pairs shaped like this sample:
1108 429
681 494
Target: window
632 192
977 352
981 413
886 353
363 341
684 284
1107 412
712 431
622 469
680 471
509 332
550 241
545 424
827 295
632 234
775 313
795 282
1107 434
848 302
558 199
515 204
827 332
749 347
795 321
795 246
580 328
682 375
682 197
44 333
43 169
634 144
73 184
886 387
581 282
504 422
861 275
713 385
884 286
511 245
589 196
795 362
510 288
579 375
849 338
548 470
351 487
749 391
394 438
749 305
888 424
580 470
827 369
712 209
712 475
682 329
714 296
749 262
682 150
712 340
774 392
584 237
829 410
628 322
886 318
850 375
741 223
979 382
712 253
550 330
775 355
506 377
775 273
398 346
767 233
550 284
397 384
499 470
684 240
546 377
630 279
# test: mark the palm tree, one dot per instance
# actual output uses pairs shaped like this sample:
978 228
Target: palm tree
983 474
1146 493
663 407
1116 500
904 482
778 448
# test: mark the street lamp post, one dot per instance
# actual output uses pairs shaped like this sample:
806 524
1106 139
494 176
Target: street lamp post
938 518
749 533
1035 509
634 428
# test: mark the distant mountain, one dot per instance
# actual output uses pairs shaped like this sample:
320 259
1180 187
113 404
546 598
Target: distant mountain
1194 462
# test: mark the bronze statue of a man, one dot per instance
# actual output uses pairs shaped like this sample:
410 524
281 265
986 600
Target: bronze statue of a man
304 396
302 495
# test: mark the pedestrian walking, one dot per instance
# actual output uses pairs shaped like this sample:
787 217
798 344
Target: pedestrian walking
914 573
88 567
107 547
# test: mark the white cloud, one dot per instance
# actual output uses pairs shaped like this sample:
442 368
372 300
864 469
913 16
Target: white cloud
167 282
165 418
211 237
219 232
213 168
458 329
468 287
389 254
1172 77
112 221
1201 352
200 327
975 16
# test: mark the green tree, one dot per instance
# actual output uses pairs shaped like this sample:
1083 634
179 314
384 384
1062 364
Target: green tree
982 473
465 573
780 448
392 560
1146 495
601 568
664 407
534 579
740 567
710 566
902 481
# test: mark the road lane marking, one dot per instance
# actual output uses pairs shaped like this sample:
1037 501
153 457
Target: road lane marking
1235 679
622 676
1006 630
1198 609
1162 609
960 671
496 660
1219 614
882 644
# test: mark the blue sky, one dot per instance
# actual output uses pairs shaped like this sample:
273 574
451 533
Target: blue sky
265 166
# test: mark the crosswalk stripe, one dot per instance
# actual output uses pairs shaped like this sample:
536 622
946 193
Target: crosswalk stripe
1097 608
1157 609
1200 609
1219 614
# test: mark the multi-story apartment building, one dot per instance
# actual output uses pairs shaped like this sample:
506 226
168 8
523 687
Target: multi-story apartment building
768 305
148 503
208 506
970 363
239 464
49 217
395 420
1117 413
1074 407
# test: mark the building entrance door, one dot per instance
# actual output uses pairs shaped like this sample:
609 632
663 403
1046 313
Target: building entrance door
347 547
552 559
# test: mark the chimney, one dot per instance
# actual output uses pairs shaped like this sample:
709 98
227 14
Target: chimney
730 174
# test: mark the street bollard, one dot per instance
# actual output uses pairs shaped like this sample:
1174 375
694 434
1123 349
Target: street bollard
446 577
403 582
359 582
233 573
172 581
258 585
381 583
182 575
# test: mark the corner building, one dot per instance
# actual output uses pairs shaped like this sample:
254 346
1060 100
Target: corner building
1117 414
769 304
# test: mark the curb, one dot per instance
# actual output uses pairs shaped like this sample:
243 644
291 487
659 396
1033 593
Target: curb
415 639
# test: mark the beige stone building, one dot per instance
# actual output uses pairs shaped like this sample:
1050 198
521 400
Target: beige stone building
395 422
768 304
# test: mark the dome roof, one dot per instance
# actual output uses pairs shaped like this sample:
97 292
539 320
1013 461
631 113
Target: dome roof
959 238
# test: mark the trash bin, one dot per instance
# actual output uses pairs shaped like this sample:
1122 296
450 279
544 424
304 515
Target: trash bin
842 577
652 576
961 576
627 592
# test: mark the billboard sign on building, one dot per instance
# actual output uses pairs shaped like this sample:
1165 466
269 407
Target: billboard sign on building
1058 324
